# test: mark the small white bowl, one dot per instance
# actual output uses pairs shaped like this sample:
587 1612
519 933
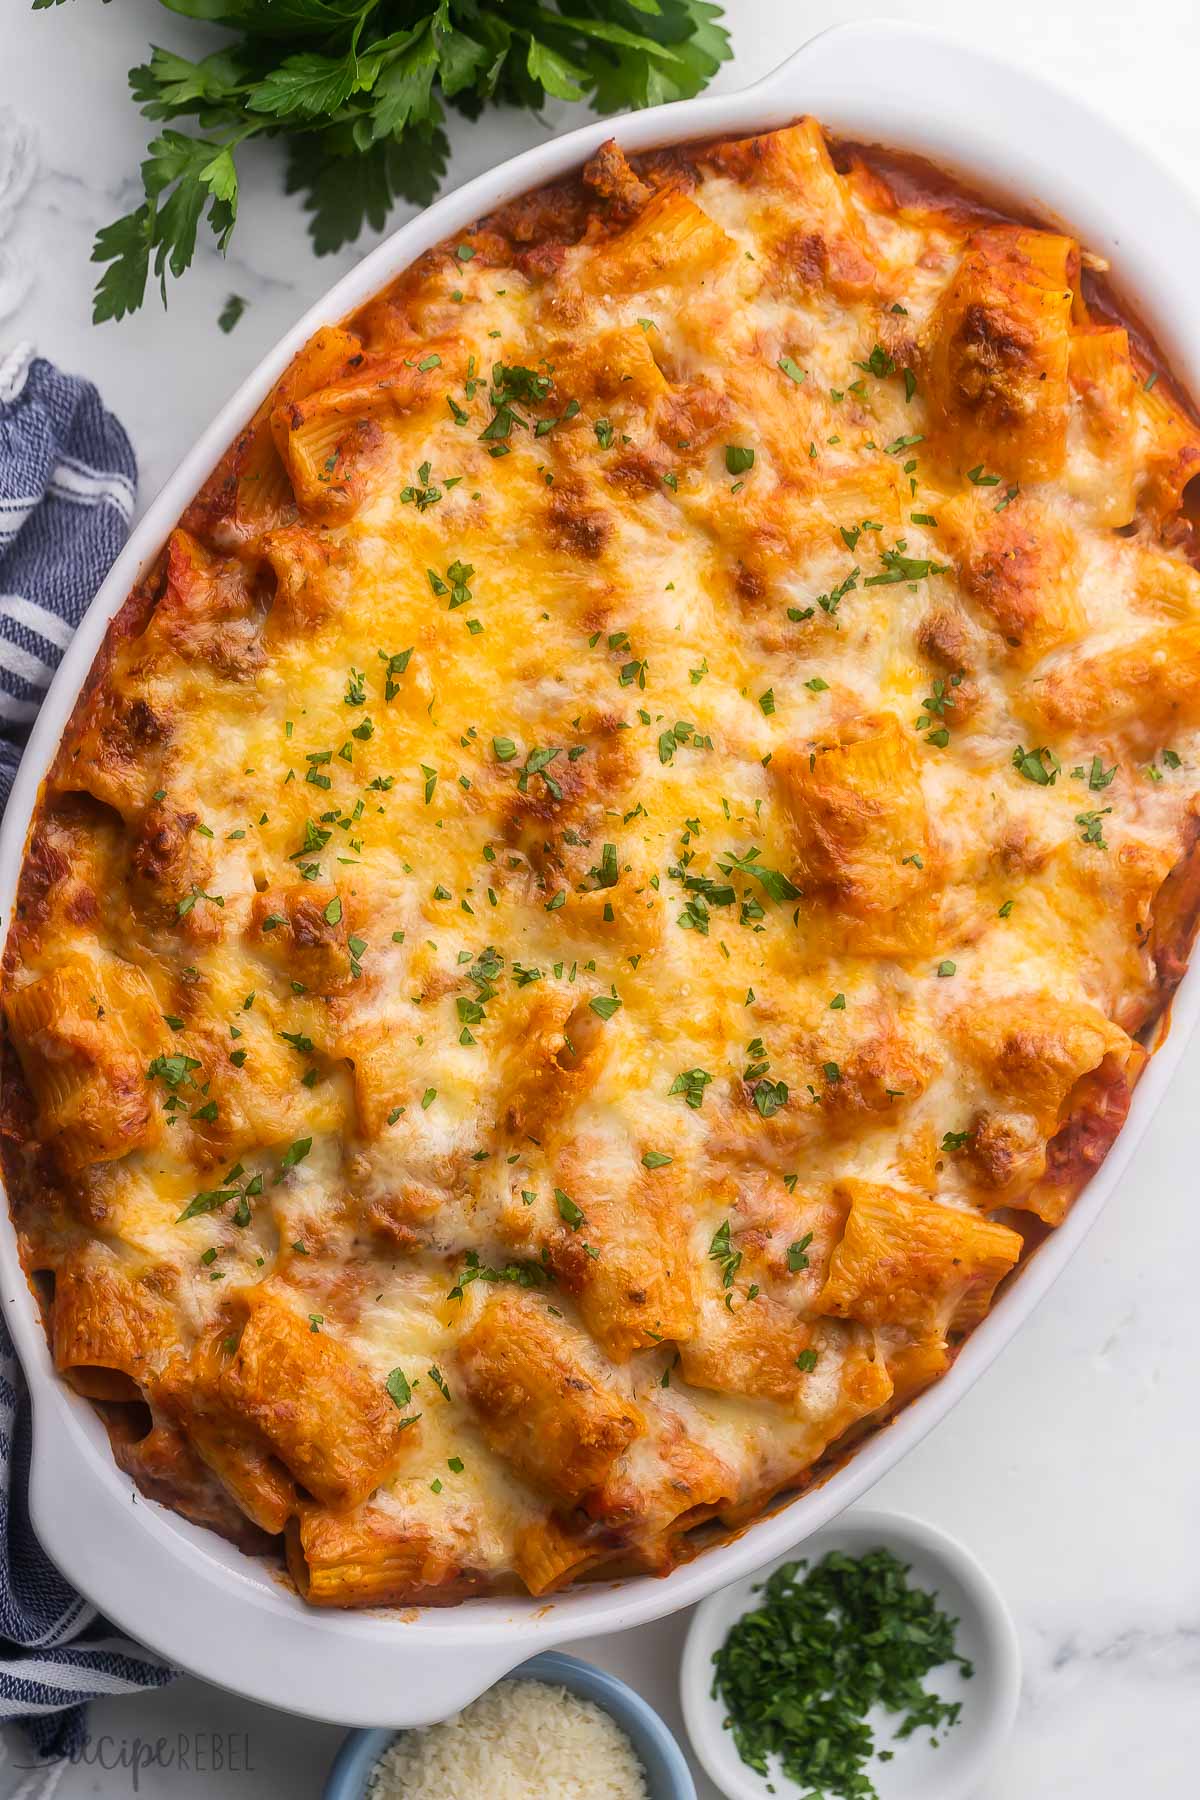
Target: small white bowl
986 1636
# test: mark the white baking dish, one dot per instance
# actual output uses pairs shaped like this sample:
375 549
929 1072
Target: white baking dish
183 1591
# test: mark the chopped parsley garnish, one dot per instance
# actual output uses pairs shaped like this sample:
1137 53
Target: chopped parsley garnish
183 907
1091 826
295 1153
829 602
457 576
879 364
777 886
936 705
1040 766
798 1675
235 1187
682 732
738 458
516 1274
770 1097
513 386
536 763
315 840
898 567
568 1211
171 1070
397 1385
393 666
1098 777
424 493
797 1257
721 1251
691 1083
606 873
791 369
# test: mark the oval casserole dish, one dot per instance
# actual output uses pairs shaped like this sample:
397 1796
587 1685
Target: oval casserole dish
852 516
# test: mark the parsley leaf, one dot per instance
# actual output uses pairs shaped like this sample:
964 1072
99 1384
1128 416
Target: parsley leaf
295 1153
691 1084
776 885
181 175
898 567
231 312
1092 827
1040 766
721 1251
797 1257
517 1274
568 1211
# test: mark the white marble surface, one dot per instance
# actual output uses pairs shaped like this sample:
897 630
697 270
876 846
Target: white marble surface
1073 1469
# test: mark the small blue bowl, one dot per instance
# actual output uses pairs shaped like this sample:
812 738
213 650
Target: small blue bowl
667 1774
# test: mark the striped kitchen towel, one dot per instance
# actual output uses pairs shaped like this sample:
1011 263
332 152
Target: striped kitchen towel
67 485
67 478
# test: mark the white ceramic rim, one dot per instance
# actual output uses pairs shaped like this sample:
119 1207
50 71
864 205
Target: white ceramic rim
182 1591
902 1534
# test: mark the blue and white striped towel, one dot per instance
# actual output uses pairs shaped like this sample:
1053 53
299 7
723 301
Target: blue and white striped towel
67 484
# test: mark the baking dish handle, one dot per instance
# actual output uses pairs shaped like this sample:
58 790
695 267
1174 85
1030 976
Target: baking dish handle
350 1668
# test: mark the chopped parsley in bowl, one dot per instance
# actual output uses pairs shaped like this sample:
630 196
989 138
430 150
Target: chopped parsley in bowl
878 1664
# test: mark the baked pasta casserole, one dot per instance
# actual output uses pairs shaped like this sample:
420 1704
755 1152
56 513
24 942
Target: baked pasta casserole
616 876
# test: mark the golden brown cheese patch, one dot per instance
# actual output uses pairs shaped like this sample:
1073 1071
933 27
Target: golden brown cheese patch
862 837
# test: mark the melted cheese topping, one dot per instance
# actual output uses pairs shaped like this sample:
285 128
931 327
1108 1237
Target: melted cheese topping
648 800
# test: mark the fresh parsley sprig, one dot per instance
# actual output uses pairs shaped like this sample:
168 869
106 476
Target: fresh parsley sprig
359 89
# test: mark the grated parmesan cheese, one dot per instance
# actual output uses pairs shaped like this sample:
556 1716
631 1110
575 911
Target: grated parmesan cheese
523 1740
